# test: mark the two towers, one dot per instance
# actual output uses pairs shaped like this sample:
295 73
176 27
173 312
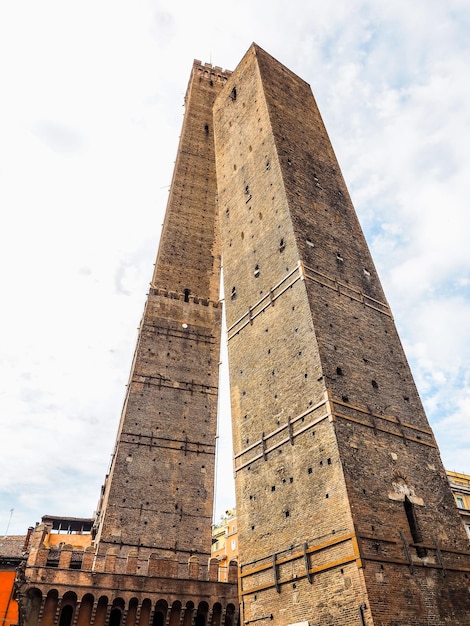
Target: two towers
344 512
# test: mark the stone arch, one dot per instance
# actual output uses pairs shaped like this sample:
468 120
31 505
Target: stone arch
50 608
131 617
69 599
66 615
216 614
188 614
101 610
117 611
175 614
145 612
119 603
213 567
33 605
86 609
229 615
232 574
110 560
201 614
115 616
160 613
132 561
193 565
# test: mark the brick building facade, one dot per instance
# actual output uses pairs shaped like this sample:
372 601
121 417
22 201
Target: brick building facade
12 551
460 486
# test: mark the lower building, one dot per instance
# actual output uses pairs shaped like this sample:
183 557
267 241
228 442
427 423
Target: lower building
225 542
460 486
12 552
62 582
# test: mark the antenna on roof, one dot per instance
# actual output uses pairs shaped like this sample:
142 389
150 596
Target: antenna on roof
8 525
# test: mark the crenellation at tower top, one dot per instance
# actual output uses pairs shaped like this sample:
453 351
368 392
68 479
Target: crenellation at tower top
210 72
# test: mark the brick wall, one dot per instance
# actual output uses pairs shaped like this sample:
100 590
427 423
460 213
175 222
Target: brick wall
337 469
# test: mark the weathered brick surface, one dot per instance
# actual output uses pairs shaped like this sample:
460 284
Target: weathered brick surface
335 460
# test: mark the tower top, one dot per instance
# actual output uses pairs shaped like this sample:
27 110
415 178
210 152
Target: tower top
210 72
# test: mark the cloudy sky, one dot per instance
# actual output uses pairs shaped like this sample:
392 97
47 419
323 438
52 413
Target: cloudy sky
90 114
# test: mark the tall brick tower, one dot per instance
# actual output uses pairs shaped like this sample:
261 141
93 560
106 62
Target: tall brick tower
344 512
150 562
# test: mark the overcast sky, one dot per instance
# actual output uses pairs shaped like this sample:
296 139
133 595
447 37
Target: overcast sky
91 108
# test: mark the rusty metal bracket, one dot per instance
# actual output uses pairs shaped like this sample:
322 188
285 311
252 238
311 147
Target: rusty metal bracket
406 547
290 430
307 565
439 557
276 581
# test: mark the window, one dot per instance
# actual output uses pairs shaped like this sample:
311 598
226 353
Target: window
460 503
467 528
414 526
234 544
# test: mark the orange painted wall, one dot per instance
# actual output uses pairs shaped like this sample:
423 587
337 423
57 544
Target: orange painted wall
8 606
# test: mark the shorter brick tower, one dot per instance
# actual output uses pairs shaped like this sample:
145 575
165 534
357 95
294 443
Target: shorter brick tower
150 562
